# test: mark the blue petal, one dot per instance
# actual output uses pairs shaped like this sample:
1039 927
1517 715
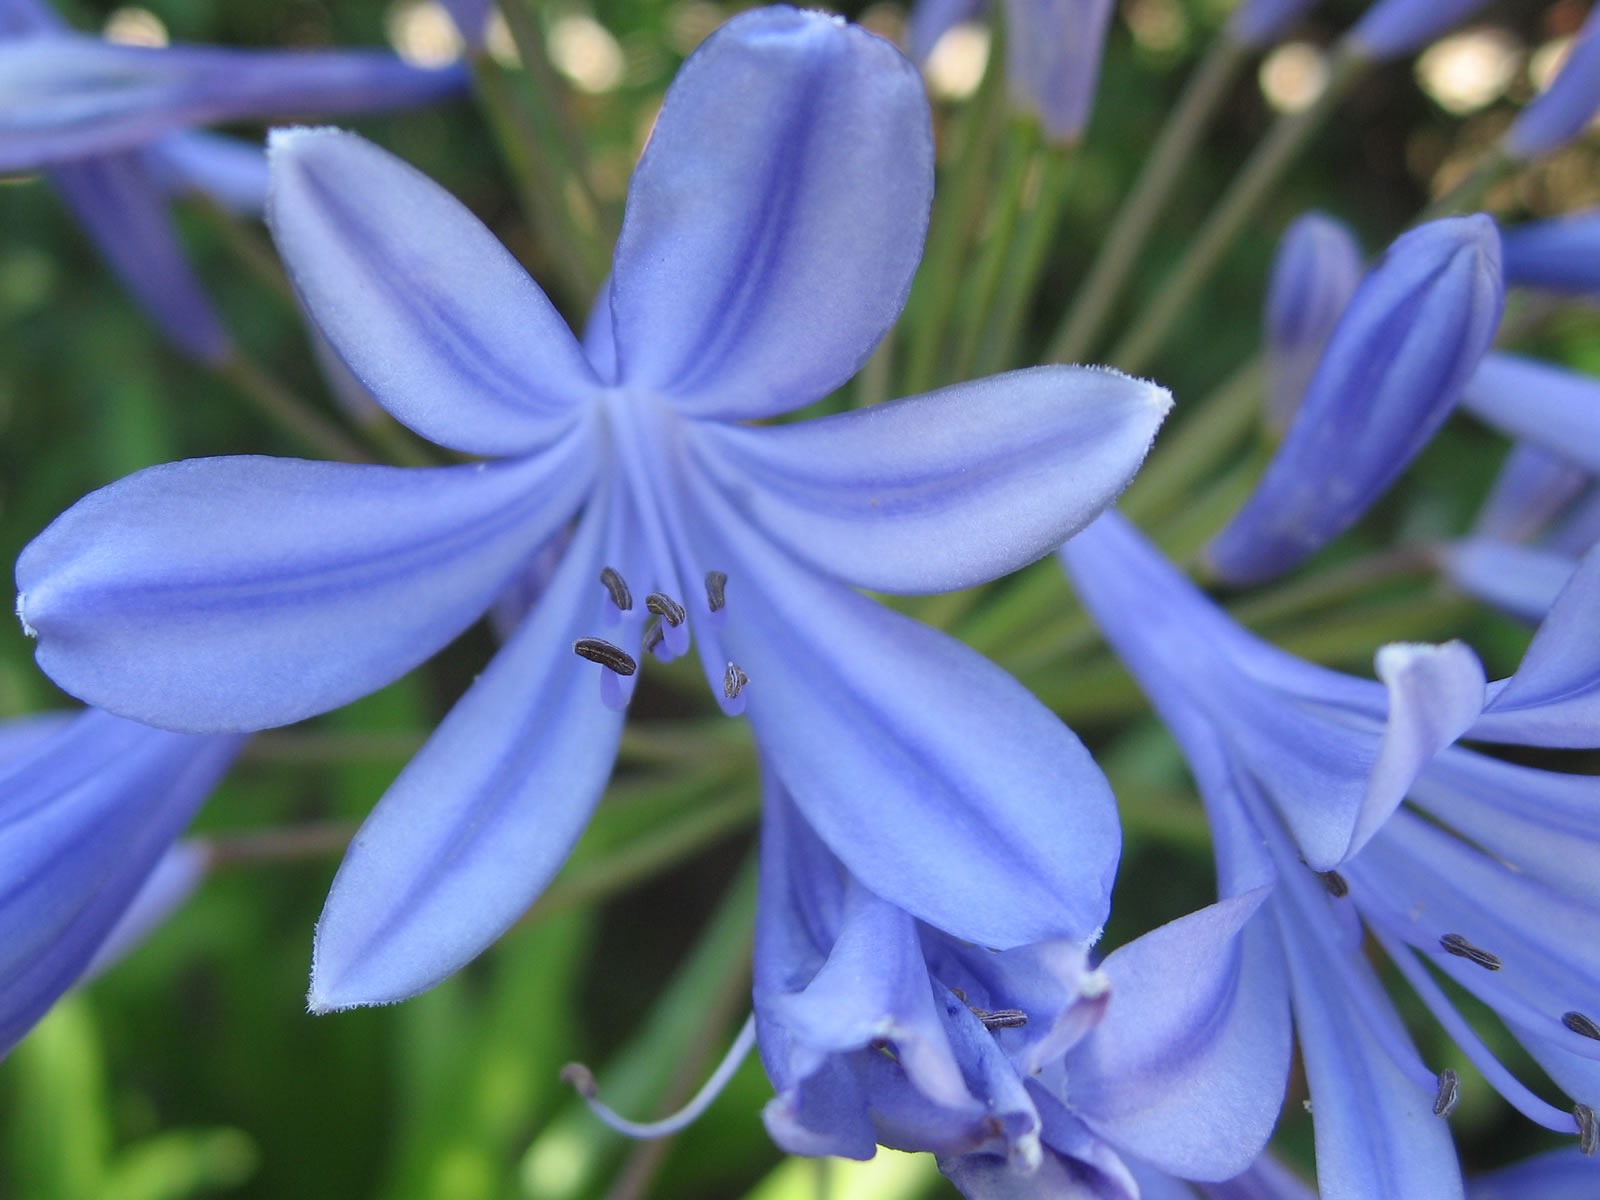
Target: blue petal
28 18
1314 274
942 491
1547 405
430 311
1561 254
1556 1175
1392 28
1560 112
1259 23
987 817
238 593
1530 491
1376 1134
229 171
170 883
124 210
1553 699
479 822
471 17
776 217
67 97
1053 52
1407 343
1519 580
1187 1069
930 20
85 818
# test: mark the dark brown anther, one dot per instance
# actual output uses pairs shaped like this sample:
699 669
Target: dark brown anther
1334 882
1588 1129
1001 1018
618 587
1455 944
716 583
665 607
653 636
612 658
1579 1023
1444 1102
733 681
580 1079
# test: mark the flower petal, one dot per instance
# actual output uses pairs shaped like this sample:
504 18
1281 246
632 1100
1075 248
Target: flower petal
1559 113
1053 52
1188 1066
1314 273
479 822
941 491
1519 580
1553 699
940 782
124 210
238 593
230 171
1530 490
1561 254
67 97
1392 28
430 311
1547 405
1555 1175
1408 341
85 818
776 217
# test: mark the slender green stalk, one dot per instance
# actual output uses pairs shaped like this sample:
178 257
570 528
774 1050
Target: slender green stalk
538 188
247 246
980 283
291 843
1179 138
1333 588
1043 200
1272 158
1031 595
958 206
1469 191
286 410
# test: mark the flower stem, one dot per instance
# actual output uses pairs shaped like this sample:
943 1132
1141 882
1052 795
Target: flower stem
1202 96
1284 141
286 410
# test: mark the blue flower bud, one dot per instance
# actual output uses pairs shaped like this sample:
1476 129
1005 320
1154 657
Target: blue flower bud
1408 341
1559 255
1315 273
1259 23
1567 105
1393 28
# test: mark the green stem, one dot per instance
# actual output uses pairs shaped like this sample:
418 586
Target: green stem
1331 588
1032 594
248 248
981 282
286 410
1284 141
1043 200
957 208
1469 191
268 846
1179 138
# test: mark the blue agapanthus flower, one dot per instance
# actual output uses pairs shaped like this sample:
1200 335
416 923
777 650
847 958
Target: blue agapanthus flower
90 807
1483 873
1028 1072
110 125
772 229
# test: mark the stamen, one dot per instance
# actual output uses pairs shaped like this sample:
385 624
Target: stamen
1444 1103
733 681
1334 882
582 1081
1455 944
665 607
1579 1023
716 583
613 658
1001 1018
618 587
1588 1129
652 637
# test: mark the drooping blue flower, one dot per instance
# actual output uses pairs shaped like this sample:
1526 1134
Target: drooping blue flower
109 126
1314 274
1303 772
772 229
1393 368
1561 254
1053 52
1559 113
91 807
1029 1072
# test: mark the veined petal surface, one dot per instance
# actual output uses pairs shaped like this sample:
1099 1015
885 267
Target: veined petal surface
942 491
124 210
429 310
231 594
481 819
1188 1066
936 778
776 217
70 96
